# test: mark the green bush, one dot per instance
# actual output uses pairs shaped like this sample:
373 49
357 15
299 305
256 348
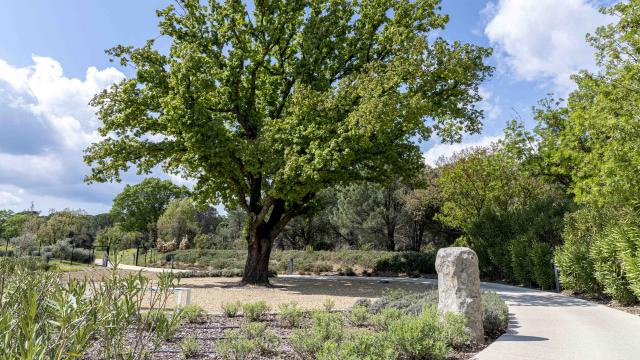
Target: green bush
325 327
255 311
163 325
610 267
359 315
420 337
359 344
575 264
194 314
44 318
495 315
189 347
387 316
290 315
541 261
250 338
408 262
231 309
521 263
411 302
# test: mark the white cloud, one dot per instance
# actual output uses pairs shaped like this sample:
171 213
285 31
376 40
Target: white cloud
8 199
45 161
438 151
61 101
489 104
544 39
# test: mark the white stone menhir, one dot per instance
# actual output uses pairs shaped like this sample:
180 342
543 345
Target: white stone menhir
459 287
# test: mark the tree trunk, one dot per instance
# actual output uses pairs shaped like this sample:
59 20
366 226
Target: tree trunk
391 237
256 269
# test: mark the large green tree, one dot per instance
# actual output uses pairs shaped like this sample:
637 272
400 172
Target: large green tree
264 109
138 207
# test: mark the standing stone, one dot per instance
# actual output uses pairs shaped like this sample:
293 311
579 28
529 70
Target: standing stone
459 287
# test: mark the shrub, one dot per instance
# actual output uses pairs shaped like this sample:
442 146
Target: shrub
609 264
231 309
163 325
541 261
577 269
408 262
495 315
521 264
255 311
411 302
67 318
235 346
388 315
194 314
290 315
359 315
328 304
419 337
359 344
250 338
64 250
325 327
363 302
189 347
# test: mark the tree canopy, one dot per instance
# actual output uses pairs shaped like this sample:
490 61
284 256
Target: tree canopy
264 109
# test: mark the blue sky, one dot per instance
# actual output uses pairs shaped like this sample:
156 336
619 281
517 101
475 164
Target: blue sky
52 60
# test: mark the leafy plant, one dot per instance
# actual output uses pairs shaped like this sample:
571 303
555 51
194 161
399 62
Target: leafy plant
255 311
189 347
325 327
495 315
194 313
231 309
359 315
290 315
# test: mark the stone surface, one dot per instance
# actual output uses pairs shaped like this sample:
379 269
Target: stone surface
459 287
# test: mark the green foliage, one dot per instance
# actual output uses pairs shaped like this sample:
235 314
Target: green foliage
359 344
421 337
614 254
189 347
325 327
118 239
255 311
138 207
250 338
576 266
231 309
358 315
44 318
521 261
65 250
385 317
495 315
178 221
194 314
541 260
292 93
290 315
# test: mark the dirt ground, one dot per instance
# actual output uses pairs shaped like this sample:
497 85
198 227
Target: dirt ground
211 293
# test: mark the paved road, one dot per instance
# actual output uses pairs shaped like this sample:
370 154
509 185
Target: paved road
550 326
545 325
137 268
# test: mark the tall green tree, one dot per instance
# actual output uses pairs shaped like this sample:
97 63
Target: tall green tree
4 216
138 207
178 221
264 109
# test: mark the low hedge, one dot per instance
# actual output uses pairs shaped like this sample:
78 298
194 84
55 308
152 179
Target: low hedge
406 262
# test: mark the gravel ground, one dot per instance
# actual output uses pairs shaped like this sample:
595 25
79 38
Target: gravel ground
210 293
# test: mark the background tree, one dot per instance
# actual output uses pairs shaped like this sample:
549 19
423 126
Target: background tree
178 222
266 109
4 217
138 207
64 224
